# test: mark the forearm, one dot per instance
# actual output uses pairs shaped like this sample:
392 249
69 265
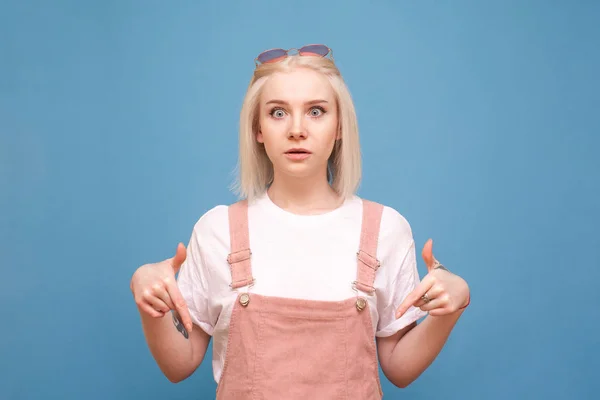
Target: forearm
171 350
419 347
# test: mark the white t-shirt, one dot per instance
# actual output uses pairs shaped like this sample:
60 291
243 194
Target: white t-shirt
297 256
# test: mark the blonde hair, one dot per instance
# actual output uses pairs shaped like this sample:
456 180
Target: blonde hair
255 170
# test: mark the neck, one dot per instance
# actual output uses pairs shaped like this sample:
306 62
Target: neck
303 195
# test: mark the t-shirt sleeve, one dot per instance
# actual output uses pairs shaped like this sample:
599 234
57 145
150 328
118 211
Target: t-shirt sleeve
399 274
193 284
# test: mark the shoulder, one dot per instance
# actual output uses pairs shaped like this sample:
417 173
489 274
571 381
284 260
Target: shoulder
394 225
212 229
214 218
215 221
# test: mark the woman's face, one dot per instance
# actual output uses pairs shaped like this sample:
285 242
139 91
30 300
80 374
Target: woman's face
298 122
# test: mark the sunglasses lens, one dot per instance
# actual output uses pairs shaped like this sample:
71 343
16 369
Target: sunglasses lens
314 49
271 55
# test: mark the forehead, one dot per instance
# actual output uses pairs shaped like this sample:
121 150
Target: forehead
297 85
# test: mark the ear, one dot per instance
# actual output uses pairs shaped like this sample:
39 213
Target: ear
259 136
339 134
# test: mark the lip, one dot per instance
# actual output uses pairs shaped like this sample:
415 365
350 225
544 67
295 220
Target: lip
297 154
296 150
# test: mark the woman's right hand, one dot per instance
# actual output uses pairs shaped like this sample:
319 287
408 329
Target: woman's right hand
155 290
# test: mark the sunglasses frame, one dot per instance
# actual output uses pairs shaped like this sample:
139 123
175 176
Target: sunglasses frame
287 52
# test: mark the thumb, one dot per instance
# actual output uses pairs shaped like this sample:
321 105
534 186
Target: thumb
427 254
179 258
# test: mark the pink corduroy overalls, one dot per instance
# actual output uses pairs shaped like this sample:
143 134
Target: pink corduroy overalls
286 349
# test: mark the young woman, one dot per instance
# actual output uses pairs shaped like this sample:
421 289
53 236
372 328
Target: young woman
301 284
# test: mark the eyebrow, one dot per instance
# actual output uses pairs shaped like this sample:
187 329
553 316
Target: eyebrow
287 104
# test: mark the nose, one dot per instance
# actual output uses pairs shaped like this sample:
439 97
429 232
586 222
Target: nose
297 130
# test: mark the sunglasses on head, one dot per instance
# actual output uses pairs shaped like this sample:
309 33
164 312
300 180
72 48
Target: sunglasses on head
275 55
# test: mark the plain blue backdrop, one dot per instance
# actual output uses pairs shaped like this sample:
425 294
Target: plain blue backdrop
479 122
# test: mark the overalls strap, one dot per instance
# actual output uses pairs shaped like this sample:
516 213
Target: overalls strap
367 253
240 254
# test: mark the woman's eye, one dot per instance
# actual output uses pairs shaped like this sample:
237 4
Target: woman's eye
316 112
278 113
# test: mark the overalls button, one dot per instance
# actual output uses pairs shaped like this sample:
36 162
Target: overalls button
244 299
361 303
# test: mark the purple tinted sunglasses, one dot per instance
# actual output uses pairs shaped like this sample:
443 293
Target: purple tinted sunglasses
275 55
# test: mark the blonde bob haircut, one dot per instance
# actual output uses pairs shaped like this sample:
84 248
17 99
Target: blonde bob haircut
255 170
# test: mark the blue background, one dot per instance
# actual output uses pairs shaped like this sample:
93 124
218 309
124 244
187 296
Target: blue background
479 122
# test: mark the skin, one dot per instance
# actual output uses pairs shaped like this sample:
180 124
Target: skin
405 355
177 345
298 110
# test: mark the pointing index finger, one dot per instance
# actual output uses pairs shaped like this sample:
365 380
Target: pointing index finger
414 296
180 306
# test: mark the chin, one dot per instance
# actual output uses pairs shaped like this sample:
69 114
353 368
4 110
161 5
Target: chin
298 172
295 170
303 169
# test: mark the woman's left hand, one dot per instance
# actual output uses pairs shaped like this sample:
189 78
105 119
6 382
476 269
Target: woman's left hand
440 292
